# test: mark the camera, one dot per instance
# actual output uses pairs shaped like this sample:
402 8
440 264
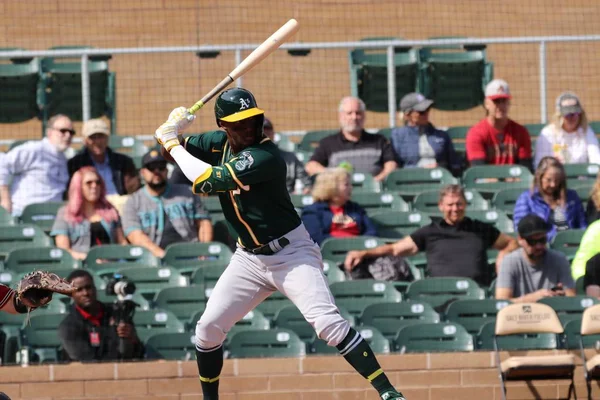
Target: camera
119 286
123 307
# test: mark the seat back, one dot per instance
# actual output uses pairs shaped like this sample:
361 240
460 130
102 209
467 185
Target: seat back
21 236
378 202
41 335
428 337
151 322
171 346
495 217
266 343
473 314
310 140
505 199
389 317
573 339
412 181
567 242
354 296
183 302
584 190
127 145
41 214
458 132
51 259
590 321
335 249
20 84
527 318
489 179
149 281
569 308
397 224
109 258
438 291
581 173
207 276
364 183
523 341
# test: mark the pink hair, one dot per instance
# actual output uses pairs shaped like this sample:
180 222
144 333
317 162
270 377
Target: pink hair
74 212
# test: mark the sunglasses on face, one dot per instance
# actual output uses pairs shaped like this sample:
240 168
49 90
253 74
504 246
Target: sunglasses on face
90 183
156 167
533 242
65 130
572 115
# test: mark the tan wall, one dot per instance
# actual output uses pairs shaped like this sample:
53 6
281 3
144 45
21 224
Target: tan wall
302 92
450 376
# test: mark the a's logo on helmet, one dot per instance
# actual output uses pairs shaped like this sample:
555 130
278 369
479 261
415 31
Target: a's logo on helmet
244 104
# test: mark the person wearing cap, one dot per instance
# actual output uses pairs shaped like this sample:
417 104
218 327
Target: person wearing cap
36 171
117 170
497 139
160 213
569 138
366 153
418 143
533 271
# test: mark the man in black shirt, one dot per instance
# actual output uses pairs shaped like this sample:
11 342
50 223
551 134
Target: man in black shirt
455 245
367 153
89 332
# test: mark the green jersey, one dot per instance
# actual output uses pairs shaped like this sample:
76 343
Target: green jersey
251 186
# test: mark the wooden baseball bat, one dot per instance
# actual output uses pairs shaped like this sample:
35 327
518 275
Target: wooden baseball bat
259 54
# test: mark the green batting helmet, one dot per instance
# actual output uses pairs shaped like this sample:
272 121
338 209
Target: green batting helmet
235 105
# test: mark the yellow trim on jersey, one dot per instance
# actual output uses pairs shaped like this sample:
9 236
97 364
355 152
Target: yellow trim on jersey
208 380
235 178
237 212
203 177
264 140
251 112
374 375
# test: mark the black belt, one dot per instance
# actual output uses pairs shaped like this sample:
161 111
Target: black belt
266 250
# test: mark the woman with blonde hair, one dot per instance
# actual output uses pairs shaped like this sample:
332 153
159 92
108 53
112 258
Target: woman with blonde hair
568 138
592 210
551 200
88 219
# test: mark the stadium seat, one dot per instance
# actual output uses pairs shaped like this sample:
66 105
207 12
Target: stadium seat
397 224
152 322
505 199
24 260
40 335
107 259
581 173
518 319
127 145
428 201
266 343
171 346
433 337
354 296
380 202
573 335
181 301
19 84
23 235
207 276
458 133
291 318
567 242
408 182
62 83
454 80
335 249
311 139
534 129
188 257
489 179
386 132
529 341
389 317
149 281
579 288
473 314
212 204
333 272
253 320
41 214
272 304
569 308
378 343
590 329
584 190
10 325
495 217
368 74
5 217
438 291
301 200
283 142
362 183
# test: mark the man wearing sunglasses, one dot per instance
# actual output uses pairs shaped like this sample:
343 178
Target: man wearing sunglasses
534 271
37 169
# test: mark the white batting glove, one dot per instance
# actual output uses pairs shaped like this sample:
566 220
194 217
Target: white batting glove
182 118
167 135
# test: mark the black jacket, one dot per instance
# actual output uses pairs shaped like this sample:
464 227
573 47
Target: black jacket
120 165
74 333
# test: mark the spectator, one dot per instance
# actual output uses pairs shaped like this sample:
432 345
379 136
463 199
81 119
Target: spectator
117 170
367 153
591 280
551 200
159 214
497 139
178 177
568 138
533 271
295 168
418 143
88 219
592 210
38 169
455 245
588 248
91 331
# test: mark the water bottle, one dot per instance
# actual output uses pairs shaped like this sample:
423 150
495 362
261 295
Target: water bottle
24 356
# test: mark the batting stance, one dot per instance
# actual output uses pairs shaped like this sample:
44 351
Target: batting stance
275 252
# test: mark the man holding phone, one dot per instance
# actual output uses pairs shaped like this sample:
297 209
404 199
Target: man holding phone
533 271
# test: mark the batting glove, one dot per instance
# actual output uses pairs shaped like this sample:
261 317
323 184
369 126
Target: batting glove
166 135
182 118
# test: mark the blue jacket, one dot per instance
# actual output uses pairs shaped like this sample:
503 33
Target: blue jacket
318 216
529 203
405 141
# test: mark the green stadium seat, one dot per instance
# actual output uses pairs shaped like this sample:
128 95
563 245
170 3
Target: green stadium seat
253 320
335 249
505 199
380 202
573 335
569 308
207 276
495 217
534 129
188 257
473 314
301 200
291 318
433 337
171 346
181 301
454 80
538 341
579 288
389 317
284 143
266 343
362 182
458 133
397 224
438 291
24 260
62 82
150 280
354 296
21 236
5 217
127 145
579 174
567 242
20 91
311 139
386 132
489 179
107 259
212 204
272 304
40 334
333 272
584 190
152 322
428 201
10 325
408 182
41 214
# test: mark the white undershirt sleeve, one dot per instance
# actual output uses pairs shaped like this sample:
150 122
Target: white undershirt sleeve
191 166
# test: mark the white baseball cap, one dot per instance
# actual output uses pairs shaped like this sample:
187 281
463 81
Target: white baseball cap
497 89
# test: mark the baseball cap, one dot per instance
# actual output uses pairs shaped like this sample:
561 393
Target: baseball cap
531 225
568 103
151 157
92 126
415 102
267 123
497 89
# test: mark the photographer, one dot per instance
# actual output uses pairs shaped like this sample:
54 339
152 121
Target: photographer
93 330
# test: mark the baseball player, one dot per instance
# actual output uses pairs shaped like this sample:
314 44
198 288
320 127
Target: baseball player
275 252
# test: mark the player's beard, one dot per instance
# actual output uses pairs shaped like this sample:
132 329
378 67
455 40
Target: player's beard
158 186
